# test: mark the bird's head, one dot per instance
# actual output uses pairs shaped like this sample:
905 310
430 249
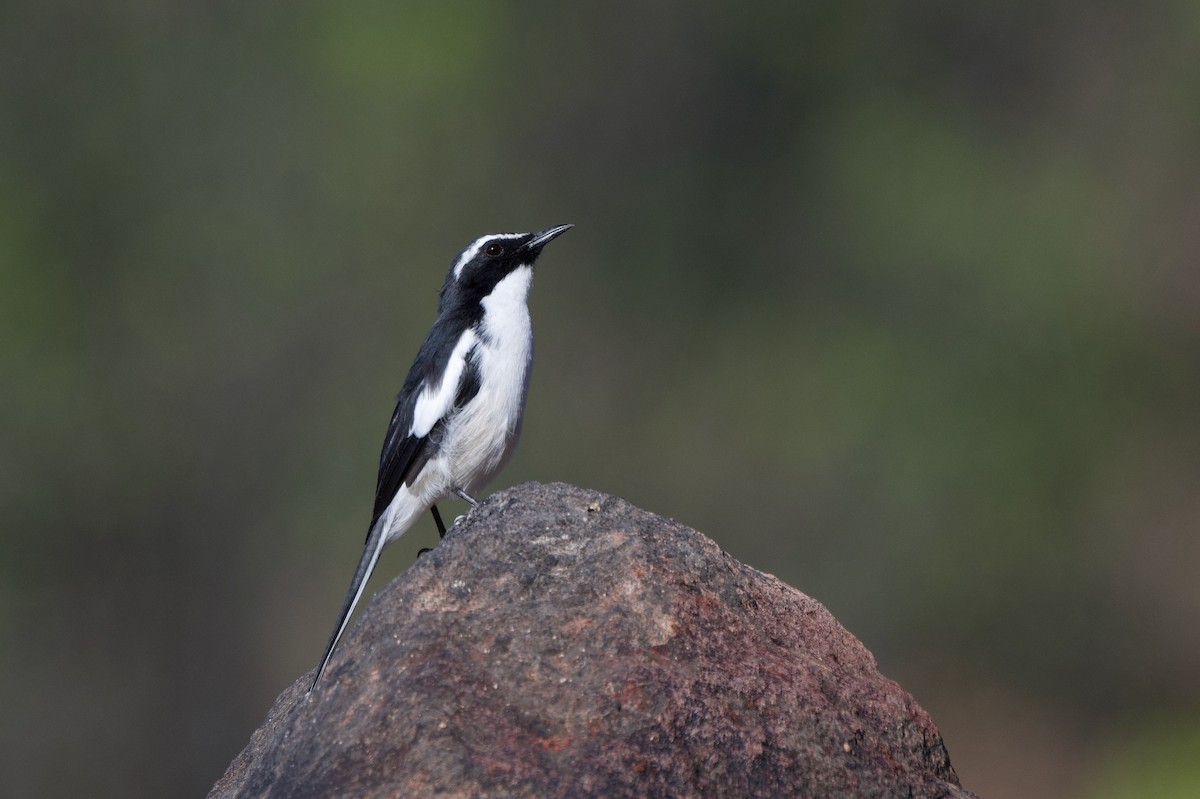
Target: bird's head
491 258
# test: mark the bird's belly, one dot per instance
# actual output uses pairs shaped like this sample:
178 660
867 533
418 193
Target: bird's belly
484 434
480 444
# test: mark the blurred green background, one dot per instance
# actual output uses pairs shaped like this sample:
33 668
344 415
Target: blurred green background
896 300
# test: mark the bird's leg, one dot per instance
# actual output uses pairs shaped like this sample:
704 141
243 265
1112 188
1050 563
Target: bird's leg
465 497
437 519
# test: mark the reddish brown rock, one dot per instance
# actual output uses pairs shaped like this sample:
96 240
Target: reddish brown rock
562 643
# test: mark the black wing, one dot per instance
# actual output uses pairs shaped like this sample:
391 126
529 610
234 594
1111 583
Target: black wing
405 451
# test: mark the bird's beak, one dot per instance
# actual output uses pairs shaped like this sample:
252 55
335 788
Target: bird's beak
539 240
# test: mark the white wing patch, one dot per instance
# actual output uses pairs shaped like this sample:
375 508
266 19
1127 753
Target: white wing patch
436 401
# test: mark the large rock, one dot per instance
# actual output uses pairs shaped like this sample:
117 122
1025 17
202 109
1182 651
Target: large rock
562 643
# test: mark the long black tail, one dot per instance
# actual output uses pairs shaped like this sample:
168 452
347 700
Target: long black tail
366 565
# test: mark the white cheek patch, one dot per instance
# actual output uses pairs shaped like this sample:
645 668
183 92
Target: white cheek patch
436 401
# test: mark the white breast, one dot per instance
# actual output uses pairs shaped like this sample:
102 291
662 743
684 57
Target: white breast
483 436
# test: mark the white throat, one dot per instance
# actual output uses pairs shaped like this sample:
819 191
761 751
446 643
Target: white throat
506 321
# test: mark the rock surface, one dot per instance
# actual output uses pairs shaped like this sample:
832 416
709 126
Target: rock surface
561 642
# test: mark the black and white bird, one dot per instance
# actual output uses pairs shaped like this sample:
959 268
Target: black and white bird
458 416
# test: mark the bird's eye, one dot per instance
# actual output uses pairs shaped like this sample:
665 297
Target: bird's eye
495 249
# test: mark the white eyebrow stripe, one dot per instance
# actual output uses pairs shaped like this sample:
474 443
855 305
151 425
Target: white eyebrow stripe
473 249
435 402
